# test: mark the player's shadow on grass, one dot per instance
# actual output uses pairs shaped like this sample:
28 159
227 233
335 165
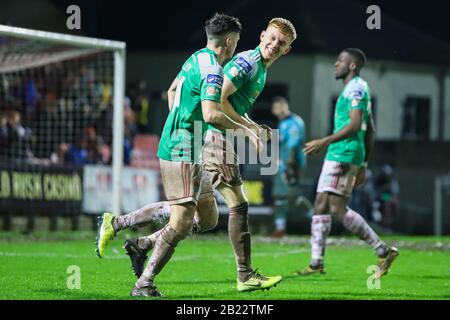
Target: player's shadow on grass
229 281
314 277
209 295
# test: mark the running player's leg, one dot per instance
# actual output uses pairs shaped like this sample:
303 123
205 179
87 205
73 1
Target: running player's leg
238 231
354 222
157 212
321 220
109 225
205 218
320 229
340 192
220 162
182 187
176 230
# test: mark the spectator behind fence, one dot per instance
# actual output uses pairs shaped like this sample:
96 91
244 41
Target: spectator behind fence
76 154
17 137
3 132
59 156
91 142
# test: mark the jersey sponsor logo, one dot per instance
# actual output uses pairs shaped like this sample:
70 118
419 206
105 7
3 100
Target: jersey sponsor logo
244 64
357 94
234 72
214 79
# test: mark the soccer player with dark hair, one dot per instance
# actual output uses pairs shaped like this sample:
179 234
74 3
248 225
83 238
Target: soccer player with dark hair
194 100
348 152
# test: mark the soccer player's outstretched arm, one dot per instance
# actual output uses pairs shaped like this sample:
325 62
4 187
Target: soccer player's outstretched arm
213 115
237 73
315 146
227 90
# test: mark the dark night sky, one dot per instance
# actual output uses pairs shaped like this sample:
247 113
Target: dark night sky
431 16
133 20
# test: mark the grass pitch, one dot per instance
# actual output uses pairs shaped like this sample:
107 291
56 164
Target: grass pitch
203 267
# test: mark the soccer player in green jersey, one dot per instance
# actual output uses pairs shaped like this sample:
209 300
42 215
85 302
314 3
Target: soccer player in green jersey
194 99
348 152
245 77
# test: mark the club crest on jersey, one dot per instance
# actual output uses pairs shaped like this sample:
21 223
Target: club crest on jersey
234 72
244 64
355 102
214 79
211 91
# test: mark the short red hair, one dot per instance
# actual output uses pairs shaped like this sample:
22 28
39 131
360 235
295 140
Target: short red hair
285 26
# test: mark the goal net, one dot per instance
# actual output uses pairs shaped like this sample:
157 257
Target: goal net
61 108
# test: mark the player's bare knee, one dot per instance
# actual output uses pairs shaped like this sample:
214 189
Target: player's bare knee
213 218
209 224
184 229
234 196
181 218
321 204
338 206
207 214
337 211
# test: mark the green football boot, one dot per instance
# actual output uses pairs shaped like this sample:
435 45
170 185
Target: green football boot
258 282
105 233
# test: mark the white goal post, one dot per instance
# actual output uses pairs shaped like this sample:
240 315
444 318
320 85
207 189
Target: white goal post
119 51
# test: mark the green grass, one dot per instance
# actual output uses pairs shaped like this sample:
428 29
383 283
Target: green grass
34 267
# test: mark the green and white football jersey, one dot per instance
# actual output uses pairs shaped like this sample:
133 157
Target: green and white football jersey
200 78
246 71
356 95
